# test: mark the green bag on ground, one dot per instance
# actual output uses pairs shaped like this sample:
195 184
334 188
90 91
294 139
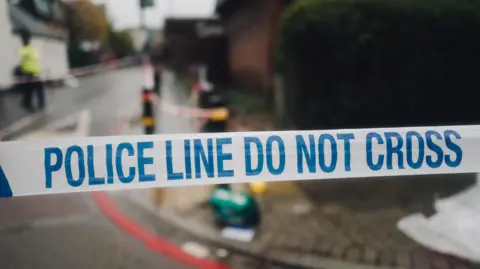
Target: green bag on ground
232 208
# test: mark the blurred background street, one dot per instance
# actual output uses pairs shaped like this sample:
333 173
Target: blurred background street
107 96
69 230
146 67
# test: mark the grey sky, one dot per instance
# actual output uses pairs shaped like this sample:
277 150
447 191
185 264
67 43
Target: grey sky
125 13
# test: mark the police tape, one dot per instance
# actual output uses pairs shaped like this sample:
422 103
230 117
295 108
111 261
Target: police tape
131 162
217 114
77 72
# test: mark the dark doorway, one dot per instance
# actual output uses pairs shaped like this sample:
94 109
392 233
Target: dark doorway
217 60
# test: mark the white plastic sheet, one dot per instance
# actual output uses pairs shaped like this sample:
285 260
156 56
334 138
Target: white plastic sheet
453 230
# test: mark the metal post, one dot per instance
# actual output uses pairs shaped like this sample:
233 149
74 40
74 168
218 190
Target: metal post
142 18
148 111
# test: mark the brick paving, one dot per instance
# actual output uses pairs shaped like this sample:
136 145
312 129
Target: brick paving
352 220
340 237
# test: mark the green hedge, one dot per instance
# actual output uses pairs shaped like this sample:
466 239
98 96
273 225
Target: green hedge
381 62
78 58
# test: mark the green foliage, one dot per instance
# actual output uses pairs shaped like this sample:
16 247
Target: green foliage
358 63
249 102
78 57
86 21
120 43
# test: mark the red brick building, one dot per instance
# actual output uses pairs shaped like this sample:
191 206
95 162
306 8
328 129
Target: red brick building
251 27
200 41
184 42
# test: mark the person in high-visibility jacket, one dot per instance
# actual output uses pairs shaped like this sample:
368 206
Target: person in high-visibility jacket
30 67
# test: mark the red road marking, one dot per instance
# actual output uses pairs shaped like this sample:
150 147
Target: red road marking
153 242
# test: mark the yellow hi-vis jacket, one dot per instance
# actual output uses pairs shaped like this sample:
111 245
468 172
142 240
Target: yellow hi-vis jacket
29 61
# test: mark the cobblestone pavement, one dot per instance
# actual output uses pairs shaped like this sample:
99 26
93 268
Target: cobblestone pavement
366 211
294 226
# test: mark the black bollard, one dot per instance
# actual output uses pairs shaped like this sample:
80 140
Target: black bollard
213 100
148 111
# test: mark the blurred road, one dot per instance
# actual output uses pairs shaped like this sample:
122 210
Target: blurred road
69 231
107 96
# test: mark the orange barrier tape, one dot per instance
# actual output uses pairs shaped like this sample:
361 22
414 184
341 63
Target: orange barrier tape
147 96
219 114
148 121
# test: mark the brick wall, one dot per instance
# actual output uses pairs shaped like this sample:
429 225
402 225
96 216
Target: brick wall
252 36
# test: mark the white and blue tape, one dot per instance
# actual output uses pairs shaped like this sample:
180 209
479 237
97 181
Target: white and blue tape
129 162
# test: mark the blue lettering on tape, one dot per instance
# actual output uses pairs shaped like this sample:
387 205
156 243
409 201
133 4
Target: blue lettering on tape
411 136
453 147
321 153
205 158
269 155
144 160
79 163
188 160
374 165
52 167
224 156
314 154
435 148
109 164
249 170
92 179
414 149
171 174
394 147
281 155
209 159
71 151
346 138
307 154
122 147
5 190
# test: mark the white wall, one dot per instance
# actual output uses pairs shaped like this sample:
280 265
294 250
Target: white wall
53 56
8 53
53 53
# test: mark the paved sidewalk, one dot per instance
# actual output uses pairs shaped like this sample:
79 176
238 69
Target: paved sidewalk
310 224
